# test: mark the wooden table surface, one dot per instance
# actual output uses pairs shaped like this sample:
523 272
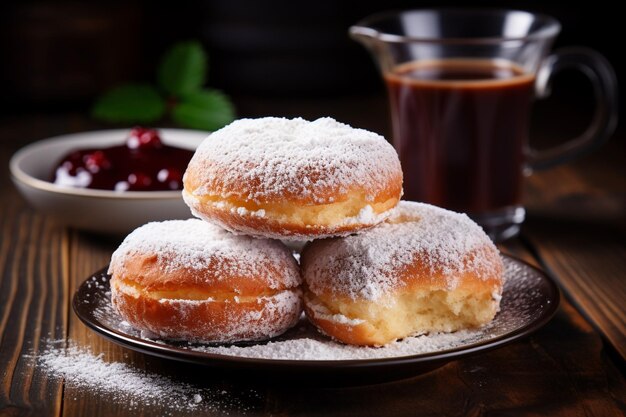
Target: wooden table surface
574 366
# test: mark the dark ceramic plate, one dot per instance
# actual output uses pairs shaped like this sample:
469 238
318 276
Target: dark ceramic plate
529 300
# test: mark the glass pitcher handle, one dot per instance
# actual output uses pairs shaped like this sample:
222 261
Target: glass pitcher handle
604 121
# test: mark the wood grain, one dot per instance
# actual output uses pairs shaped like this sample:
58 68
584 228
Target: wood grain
33 308
562 370
583 244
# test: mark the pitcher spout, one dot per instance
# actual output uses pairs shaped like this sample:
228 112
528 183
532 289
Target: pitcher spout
367 36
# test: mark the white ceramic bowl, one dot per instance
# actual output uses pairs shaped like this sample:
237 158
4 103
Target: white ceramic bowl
99 211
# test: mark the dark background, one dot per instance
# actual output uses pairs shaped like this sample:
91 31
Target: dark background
57 56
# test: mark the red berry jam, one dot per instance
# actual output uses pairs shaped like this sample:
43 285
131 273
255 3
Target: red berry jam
144 163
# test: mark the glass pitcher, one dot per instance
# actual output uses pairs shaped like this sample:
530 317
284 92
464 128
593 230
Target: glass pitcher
460 85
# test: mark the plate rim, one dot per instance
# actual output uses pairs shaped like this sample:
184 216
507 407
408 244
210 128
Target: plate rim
223 360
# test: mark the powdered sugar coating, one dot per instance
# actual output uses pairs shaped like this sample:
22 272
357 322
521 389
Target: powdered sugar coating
368 265
278 158
524 302
197 245
191 280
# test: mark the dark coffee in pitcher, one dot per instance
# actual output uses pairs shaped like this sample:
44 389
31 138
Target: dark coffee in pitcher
460 127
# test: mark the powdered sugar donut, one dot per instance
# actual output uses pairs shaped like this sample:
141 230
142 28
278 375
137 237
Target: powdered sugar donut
293 179
190 280
425 269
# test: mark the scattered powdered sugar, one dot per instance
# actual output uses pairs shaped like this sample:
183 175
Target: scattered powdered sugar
522 303
278 157
362 266
317 347
133 387
195 244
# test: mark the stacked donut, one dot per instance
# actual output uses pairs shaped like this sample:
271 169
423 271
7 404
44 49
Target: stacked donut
375 269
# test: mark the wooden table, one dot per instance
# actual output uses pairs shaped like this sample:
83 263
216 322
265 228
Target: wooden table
572 367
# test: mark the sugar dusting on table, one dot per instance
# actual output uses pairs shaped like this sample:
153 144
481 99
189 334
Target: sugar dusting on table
133 387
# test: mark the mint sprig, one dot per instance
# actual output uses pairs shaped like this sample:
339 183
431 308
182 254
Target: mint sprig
183 69
132 103
206 109
181 75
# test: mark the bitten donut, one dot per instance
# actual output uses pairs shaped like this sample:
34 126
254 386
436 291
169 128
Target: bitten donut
293 179
190 280
425 269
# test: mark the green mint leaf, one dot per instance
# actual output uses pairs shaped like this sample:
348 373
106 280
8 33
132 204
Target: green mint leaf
133 103
205 110
183 68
